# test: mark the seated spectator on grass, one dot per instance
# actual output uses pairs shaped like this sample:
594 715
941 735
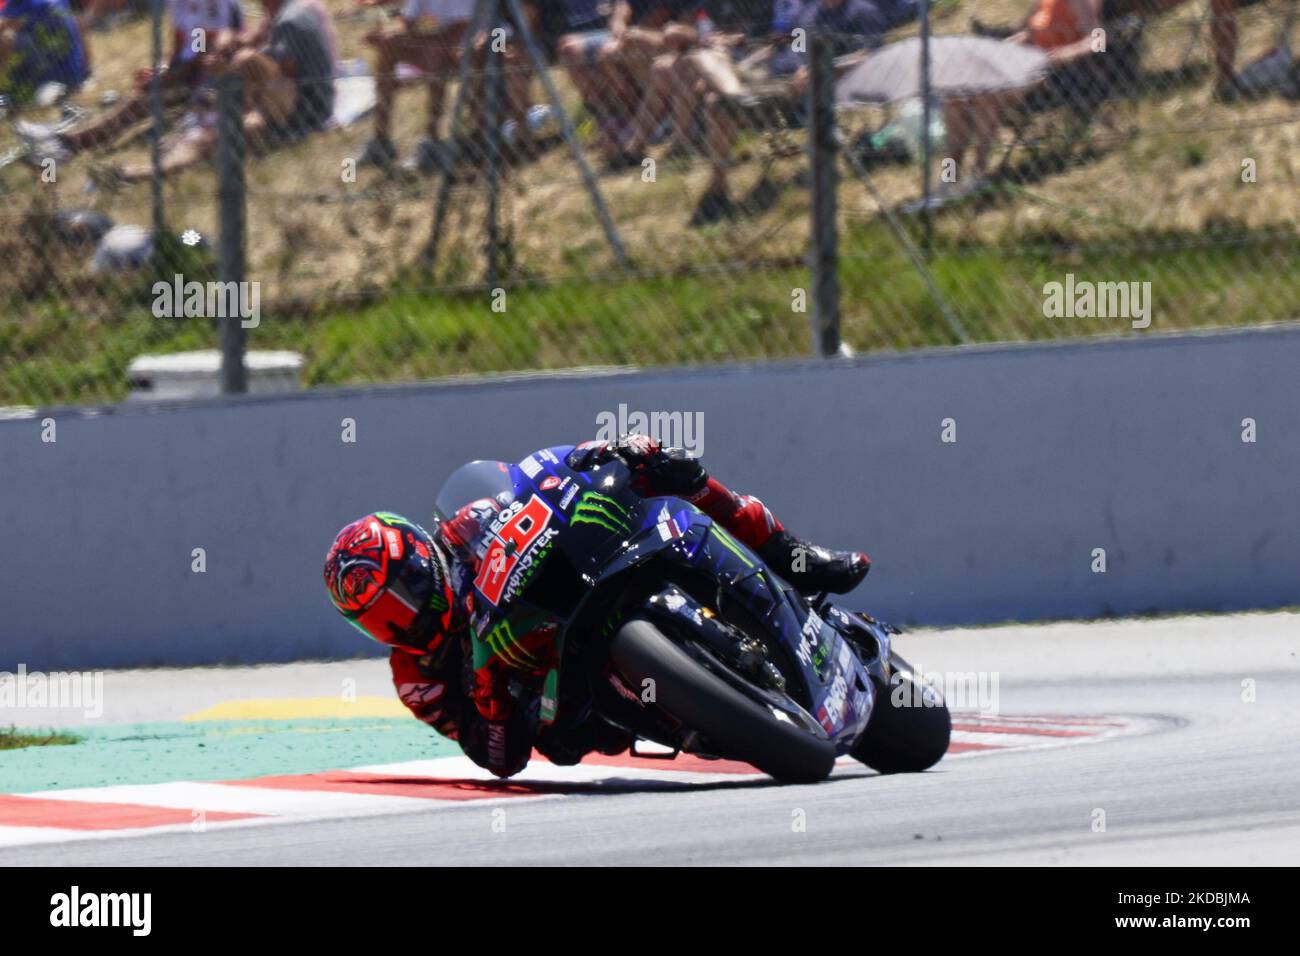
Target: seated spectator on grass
288 90
611 67
1061 29
586 28
435 49
40 43
289 83
724 28
1055 18
1065 30
708 84
204 33
428 36
850 25
578 29
649 29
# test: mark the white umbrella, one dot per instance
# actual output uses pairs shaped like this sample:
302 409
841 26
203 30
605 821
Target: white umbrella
959 66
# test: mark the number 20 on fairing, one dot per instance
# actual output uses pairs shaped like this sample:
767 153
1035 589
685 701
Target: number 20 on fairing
512 541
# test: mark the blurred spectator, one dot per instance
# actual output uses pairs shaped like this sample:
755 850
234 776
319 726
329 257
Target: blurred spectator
724 26
1063 30
1066 31
708 88
428 36
1048 19
288 89
647 29
289 83
611 66
849 25
40 43
204 33
581 28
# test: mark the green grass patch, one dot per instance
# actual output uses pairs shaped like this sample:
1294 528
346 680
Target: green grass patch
218 750
1213 279
14 739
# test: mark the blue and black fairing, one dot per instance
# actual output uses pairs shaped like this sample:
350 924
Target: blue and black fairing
605 530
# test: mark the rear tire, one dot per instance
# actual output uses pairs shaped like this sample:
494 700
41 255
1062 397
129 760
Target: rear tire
900 736
742 728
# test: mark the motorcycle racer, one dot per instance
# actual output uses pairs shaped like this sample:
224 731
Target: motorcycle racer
414 592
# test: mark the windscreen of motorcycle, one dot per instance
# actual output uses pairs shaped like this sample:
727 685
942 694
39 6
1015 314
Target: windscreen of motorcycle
470 482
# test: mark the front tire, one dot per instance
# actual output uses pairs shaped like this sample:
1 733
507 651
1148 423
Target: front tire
726 718
902 737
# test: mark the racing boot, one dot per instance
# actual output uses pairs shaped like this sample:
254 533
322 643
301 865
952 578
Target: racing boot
812 569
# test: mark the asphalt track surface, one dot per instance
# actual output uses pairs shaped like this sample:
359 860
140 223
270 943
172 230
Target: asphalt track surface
1212 776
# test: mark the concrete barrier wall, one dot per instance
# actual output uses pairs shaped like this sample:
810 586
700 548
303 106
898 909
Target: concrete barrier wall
1133 446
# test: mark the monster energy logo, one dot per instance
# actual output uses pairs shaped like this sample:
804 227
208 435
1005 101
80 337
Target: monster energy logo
501 640
602 511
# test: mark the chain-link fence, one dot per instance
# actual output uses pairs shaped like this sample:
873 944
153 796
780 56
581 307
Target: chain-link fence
408 200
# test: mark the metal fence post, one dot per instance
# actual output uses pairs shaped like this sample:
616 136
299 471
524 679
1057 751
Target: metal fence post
824 246
232 215
492 121
926 146
156 125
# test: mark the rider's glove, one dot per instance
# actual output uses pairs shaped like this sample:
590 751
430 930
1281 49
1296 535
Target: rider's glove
638 450
590 454
659 470
663 471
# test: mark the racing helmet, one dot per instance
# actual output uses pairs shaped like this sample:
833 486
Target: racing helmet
391 580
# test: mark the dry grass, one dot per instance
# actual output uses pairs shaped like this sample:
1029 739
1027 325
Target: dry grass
1180 173
314 238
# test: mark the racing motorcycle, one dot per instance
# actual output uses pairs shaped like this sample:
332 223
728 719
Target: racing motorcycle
669 628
